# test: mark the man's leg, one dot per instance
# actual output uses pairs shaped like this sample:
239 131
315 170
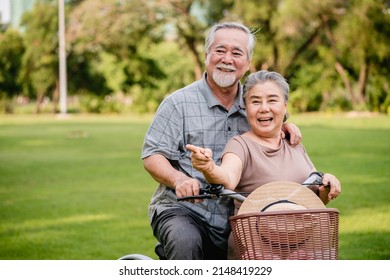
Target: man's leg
184 236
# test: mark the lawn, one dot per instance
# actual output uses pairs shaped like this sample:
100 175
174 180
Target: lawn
75 188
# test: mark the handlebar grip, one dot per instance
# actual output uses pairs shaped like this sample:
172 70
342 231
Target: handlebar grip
209 191
201 196
315 178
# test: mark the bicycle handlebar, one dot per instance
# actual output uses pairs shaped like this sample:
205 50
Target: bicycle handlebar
315 178
211 191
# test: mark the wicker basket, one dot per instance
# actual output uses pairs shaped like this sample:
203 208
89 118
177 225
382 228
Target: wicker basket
297 235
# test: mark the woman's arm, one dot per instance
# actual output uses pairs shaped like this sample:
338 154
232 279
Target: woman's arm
228 174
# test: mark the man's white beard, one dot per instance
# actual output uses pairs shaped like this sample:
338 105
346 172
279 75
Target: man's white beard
224 79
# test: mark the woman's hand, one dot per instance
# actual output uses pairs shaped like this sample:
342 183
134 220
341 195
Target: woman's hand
330 189
201 158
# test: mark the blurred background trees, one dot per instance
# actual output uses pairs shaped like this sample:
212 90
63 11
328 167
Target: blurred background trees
128 55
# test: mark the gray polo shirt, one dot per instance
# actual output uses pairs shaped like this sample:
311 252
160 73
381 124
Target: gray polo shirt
192 115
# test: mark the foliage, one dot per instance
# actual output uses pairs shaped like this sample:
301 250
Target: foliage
40 60
190 21
90 103
114 37
359 51
345 41
84 76
176 65
11 51
334 53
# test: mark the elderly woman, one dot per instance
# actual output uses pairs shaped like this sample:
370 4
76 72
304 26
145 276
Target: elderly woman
262 155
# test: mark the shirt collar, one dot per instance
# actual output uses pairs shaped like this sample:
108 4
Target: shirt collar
212 101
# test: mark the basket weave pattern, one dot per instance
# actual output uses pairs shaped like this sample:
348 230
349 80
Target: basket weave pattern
297 235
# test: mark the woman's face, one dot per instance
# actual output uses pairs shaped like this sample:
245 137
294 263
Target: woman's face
265 108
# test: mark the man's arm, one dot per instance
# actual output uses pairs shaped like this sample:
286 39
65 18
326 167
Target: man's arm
163 172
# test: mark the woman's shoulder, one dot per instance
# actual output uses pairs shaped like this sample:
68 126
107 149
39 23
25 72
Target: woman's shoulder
242 144
240 140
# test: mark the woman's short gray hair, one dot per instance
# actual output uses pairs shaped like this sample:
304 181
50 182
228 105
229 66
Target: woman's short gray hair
262 76
231 25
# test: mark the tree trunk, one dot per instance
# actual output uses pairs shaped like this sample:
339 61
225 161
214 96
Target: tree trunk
362 83
188 31
198 68
56 96
275 60
309 40
347 84
40 97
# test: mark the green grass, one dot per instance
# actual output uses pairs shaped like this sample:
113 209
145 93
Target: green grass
76 189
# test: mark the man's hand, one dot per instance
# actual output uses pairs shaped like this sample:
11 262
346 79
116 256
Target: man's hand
188 187
293 133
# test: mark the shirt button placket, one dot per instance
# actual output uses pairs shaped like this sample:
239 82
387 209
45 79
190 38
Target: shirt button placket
229 129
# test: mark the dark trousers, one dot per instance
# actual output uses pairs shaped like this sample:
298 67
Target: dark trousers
184 236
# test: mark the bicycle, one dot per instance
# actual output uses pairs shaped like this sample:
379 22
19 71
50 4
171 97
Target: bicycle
294 234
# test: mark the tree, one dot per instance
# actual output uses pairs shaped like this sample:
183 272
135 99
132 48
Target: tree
11 51
190 20
330 50
334 53
115 36
40 60
188 29
361 54
286 30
